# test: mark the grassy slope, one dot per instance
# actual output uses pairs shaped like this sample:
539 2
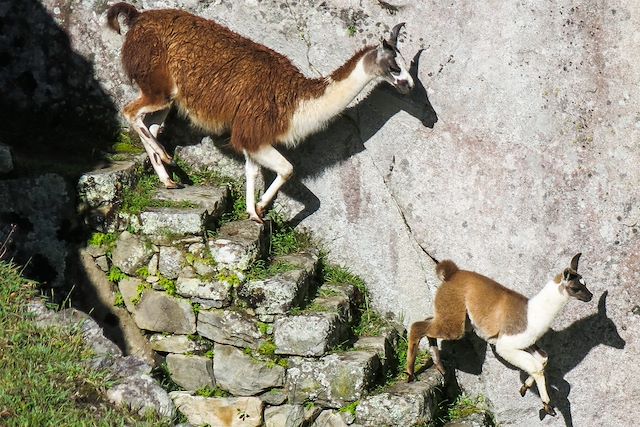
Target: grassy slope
42 379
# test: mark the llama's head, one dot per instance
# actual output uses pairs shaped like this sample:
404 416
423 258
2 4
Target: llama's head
391 64
572 284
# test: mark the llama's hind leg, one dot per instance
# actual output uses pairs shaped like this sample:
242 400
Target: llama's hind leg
417 331
135 112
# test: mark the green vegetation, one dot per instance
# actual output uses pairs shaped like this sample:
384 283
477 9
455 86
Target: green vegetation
352 30
140 290
208 391
143 272
104 240
285 239
45 379
168 285
351 408
115 275
126 144
230 278
466 405
119 300
268 348
261 269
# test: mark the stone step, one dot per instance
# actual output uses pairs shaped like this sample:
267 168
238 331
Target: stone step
239 244
403 404
324 324
209 204
273 297
100 190
230 327
334 380
190 371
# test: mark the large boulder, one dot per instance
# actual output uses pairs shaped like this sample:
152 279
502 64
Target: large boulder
514 151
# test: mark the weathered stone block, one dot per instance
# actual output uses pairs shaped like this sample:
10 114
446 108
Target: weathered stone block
190 372
331 418
210 294
142 394
156 310
238 244
473 420
284 416
383 345
278 294
309 334
403 404
229 327
170 261
131 253
209 204
174 343
227 412
105 186
333 380
244 375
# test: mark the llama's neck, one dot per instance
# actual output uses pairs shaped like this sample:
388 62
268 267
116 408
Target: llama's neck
312 115
544 307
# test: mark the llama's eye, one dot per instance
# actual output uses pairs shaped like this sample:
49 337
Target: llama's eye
394 70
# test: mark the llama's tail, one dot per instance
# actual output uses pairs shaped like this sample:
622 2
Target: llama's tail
445 269
129 12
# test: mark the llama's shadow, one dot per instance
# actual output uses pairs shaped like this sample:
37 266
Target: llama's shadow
349 133
343 138
568 348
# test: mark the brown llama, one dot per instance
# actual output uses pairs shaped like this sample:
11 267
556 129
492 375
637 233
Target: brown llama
500 316
225 82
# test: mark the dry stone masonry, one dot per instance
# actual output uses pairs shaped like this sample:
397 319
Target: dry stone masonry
248 338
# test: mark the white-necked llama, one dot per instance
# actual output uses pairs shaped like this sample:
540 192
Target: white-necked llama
225 82
500 316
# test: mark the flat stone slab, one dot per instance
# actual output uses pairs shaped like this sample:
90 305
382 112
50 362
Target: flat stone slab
238 244
105 186
190 372
142 394
334 380
208 293
284 416
156 310
278 294
244 375
309 334
216 411
383 345
174 343
229 327
403 404
210 203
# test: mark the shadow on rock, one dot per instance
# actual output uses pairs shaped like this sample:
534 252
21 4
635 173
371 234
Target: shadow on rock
349 133
51 105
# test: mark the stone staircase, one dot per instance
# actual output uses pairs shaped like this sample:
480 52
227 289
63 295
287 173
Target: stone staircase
249 336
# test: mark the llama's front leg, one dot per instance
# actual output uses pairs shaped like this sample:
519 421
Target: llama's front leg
539 354
251 169
531 365
271 158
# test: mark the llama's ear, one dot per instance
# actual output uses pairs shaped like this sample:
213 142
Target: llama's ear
602 304
387 46
574 261
393 39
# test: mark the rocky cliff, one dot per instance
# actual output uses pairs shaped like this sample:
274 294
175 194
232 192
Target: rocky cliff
516 150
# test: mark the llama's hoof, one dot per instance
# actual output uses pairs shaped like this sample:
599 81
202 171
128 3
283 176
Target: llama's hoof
256 218
167 160
549 409
172 185
523 390
260 211
410 377
440 368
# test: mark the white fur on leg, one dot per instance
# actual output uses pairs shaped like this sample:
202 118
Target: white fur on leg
251 169
146 136
154 121
270 158
527 363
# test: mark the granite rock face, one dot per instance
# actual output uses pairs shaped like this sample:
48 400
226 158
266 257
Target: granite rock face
511 192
